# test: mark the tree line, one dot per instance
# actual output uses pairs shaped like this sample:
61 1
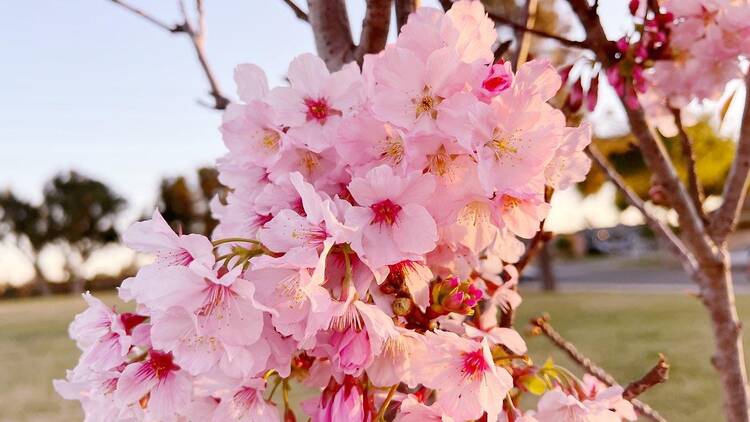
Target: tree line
78 215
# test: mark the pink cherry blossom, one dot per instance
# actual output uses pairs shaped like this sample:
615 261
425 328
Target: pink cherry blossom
464 375
156 384
156 237
394 222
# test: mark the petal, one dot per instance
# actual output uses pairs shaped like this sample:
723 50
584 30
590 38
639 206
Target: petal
251 82
415 230
307 73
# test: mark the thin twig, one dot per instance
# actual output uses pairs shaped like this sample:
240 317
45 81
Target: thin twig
197 37
669 238
542 325
657 375
146 16
502 20
688 154
298 12
522 35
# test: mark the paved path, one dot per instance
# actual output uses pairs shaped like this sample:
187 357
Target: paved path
627 276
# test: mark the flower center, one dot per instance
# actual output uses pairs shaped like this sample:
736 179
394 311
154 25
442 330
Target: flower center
313 236
309 161
510 202
426 104
474 364
385 212
319 110
392 149
161 363
216 297
271 140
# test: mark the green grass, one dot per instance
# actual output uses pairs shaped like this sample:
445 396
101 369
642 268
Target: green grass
622 333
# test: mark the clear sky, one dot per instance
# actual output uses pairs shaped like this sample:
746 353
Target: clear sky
86 85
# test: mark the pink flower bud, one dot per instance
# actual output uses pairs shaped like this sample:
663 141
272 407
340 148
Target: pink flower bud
499 79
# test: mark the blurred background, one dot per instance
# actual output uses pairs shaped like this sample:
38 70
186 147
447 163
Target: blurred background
105 117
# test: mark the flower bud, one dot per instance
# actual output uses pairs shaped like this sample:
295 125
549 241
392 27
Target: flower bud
454 295
401 306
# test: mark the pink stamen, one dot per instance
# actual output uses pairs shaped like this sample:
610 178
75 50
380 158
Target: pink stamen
474 364
319 110
385 212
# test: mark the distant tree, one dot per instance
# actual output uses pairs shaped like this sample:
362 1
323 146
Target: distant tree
82 213
186 207
26 225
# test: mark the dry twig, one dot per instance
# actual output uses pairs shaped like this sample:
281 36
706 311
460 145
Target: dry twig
541 325
197 38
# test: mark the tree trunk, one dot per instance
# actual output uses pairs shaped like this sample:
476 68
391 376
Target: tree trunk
729 357
549 283
40 281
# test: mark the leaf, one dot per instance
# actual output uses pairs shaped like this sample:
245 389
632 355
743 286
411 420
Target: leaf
534 384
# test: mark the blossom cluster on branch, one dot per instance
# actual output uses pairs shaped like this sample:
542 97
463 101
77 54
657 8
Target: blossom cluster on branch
684 50
364 251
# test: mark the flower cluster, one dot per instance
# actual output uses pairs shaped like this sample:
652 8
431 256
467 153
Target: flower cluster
365 249
706 39
688 49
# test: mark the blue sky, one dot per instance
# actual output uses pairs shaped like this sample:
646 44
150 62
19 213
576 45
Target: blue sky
87 85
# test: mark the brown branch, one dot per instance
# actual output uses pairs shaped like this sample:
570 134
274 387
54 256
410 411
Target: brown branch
668 237
146 16
688 154
447 4
657 375
197 38
502 20
333 35
541 325
374 28
522 35
713 274
735 188
403 9
298 12
651 148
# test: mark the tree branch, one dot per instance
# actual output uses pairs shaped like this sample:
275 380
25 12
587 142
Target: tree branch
298 12
447 4
688 154
668 237
735 188
333 35
657 375
197 39
652 149
146 16
502 20
522 35
374 28
403 9
541 325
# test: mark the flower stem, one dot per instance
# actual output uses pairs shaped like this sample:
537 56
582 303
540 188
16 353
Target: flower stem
234 240
381 413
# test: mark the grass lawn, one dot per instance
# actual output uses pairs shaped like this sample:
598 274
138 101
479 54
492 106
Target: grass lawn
623 333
